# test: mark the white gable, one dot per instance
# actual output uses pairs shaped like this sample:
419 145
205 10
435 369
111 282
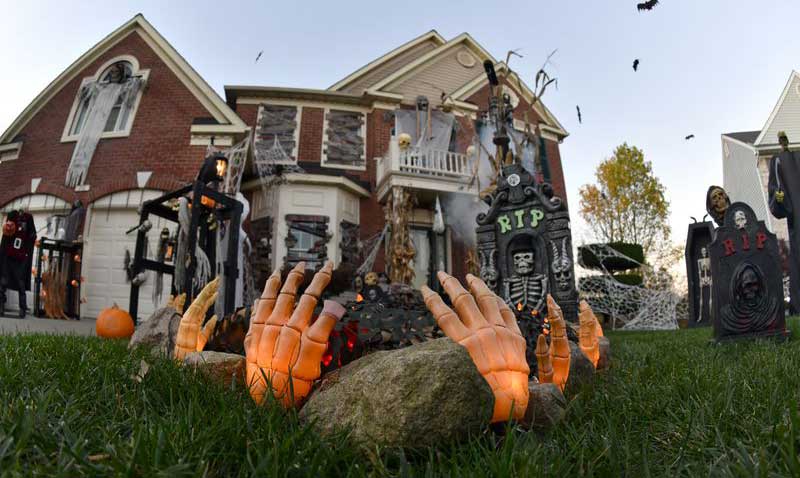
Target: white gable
785 116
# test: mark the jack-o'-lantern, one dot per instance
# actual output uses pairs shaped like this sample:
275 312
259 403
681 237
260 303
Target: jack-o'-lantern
9 228
114 323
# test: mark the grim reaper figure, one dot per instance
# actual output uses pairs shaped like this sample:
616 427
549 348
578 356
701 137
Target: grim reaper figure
784 185
525 287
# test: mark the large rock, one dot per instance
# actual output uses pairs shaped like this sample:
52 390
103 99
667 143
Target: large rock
581 370
158 331
546 406
605 354
419 396
219 366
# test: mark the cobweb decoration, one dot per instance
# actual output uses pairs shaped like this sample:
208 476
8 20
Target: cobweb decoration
373 245
653 306
271 164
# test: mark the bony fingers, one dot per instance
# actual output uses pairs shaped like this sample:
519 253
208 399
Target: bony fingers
447 320
321 329
206 333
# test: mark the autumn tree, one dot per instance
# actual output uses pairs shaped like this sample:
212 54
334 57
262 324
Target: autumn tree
627 204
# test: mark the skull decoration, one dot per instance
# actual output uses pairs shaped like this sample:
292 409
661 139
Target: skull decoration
523 263
740 219
562 266
404 141
471 150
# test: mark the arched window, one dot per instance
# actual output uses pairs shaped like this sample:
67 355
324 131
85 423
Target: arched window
121 70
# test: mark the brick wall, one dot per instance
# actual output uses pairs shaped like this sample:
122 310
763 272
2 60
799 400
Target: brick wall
159 139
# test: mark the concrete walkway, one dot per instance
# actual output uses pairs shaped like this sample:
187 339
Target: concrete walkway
32 325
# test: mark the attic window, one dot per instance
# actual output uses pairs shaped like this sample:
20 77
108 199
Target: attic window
121 76
343 143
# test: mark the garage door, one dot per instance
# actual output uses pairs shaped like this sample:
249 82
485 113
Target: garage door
106 242
41 207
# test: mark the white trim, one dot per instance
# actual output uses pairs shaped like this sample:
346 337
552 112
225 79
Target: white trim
319 179
740 143
351 78
303 103
777 108
201 90
323 152
10 151
66 137
400 74
205 140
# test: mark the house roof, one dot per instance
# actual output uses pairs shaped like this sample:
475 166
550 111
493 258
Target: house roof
432 35
215 105
784 114
747 137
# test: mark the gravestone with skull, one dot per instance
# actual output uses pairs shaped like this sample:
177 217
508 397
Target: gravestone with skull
525 244
747 289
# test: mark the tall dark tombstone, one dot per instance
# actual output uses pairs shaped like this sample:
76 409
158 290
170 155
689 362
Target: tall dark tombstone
747 297
525 244
698 272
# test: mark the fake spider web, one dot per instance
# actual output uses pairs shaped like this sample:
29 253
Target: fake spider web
654 305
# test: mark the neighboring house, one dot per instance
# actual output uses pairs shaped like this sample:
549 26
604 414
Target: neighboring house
152 143
746 157
345 141
333 154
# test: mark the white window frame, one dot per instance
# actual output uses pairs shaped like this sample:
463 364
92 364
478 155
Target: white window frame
67 137
324 153
299 119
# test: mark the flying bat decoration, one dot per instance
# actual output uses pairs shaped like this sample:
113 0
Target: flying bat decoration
636 65
258 57
580 118
648 5
691 136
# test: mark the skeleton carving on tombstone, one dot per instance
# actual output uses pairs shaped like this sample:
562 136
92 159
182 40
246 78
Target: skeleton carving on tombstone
525 287
562 266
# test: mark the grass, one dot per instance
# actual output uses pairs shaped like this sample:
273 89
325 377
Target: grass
672 405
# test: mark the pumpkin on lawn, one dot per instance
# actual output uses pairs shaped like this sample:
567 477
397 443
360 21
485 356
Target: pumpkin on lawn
114 323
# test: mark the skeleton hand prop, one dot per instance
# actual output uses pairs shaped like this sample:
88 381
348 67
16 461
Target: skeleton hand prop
283 348
779 195
488 330
588 341
553 361
190 337
177 302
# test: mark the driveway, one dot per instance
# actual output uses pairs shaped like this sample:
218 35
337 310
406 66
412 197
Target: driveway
46 326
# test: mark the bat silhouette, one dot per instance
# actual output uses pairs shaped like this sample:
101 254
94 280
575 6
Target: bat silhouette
648 5
636 65
580 118
258 57
691 136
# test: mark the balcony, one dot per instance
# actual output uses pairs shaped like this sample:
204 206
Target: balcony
425 170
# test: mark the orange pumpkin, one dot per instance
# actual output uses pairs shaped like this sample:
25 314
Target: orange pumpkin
114 323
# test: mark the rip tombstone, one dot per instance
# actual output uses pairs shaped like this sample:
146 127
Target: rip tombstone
747 290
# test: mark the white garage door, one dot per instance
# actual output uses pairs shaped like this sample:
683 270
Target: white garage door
41 207
103 265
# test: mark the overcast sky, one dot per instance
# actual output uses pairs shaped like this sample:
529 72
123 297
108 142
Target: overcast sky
707 67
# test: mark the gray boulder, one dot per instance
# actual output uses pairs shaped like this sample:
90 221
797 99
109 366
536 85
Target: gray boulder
546 406
158 331
605 354
581 370
218 366
427 394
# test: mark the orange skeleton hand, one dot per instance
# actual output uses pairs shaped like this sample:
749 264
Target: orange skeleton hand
191 338
488 329
588 335
283 348
553 361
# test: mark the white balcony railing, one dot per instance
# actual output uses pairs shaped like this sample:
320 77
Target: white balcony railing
425 163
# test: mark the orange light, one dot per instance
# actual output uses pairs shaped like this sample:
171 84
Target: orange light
33 271
519 306
74 283
44 294
359 298
77 258
207 201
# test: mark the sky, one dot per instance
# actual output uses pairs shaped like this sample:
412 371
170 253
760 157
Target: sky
706 67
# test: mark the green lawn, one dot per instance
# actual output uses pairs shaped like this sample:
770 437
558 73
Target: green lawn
672 405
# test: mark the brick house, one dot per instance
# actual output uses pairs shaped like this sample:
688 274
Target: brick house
338 152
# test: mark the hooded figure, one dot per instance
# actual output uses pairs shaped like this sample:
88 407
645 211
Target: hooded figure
783 186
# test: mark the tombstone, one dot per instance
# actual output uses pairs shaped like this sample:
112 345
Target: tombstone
698 272
747 290
525 244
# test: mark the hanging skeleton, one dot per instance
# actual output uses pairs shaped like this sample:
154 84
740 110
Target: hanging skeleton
705 281
161 257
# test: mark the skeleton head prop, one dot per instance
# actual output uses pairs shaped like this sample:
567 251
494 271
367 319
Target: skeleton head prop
703 252
404 141
523 263
471 150
740 219
562 266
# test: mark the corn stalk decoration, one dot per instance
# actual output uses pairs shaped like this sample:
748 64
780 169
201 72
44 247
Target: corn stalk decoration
401 250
